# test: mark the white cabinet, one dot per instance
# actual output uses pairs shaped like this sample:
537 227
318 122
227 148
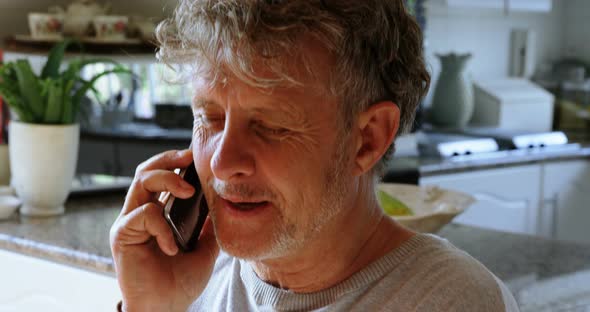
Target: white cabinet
509 5
507 198
565 209
31 284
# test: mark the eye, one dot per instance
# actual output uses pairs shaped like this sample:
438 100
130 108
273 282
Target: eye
209 120
270 130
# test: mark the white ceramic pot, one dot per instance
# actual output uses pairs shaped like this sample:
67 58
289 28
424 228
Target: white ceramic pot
43 164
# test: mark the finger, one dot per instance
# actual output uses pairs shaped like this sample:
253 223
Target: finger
149 183
167 181
140 225
168 160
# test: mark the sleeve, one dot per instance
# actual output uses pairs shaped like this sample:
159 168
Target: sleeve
509 301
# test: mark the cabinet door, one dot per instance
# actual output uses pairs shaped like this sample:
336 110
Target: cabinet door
507 198
31 284
566 200
133 152
97 156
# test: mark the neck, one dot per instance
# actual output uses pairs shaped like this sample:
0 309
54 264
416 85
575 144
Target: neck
353 239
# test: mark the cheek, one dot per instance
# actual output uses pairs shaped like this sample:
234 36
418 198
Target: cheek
202 152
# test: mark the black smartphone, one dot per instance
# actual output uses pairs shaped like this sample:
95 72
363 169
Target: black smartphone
186 217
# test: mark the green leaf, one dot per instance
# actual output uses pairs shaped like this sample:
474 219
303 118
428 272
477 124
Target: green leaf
30 88
90 83
7 73
16 104
55 98
55 58
68 116
76 66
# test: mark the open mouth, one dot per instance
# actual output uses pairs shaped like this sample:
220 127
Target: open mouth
246 206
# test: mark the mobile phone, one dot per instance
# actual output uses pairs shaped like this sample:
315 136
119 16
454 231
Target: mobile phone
186 217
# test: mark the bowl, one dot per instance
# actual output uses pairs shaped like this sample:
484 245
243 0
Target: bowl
432 206
8 205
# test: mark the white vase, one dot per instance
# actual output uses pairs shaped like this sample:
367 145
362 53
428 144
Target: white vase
42 165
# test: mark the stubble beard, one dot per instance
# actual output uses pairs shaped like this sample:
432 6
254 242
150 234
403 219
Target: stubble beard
288 237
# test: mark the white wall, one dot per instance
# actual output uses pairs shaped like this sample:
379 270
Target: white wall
485 33
576 29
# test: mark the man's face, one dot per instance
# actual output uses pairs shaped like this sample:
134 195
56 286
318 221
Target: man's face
272 164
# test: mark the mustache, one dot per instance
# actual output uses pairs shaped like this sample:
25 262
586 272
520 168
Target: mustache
244 191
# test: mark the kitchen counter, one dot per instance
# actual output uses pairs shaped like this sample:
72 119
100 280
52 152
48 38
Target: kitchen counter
81 238
420 166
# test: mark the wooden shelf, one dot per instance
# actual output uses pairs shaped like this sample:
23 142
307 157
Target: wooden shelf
143 51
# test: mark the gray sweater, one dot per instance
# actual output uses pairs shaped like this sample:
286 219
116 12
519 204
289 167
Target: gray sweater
426 273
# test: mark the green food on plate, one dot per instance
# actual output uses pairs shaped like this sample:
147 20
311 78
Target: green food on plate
393 206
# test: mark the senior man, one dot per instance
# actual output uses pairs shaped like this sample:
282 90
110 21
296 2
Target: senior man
296 106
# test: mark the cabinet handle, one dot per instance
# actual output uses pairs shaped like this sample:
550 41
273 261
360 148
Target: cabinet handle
515 204
550 207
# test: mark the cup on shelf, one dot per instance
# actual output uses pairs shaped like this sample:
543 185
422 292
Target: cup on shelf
46 25
110 27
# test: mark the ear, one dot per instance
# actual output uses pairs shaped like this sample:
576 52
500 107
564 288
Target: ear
378 126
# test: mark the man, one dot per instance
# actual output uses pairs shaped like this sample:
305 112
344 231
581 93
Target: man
297 103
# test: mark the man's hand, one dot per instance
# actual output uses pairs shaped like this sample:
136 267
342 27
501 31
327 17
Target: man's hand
152 273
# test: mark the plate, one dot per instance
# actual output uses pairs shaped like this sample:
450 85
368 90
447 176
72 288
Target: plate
8 205
433 207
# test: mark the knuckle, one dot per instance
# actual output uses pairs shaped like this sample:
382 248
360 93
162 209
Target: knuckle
141 168
150 209
114 235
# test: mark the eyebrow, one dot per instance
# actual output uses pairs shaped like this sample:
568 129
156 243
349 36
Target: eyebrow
280 114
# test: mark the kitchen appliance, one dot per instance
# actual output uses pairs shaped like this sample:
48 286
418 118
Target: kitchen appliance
484 142
537 142
447 145
512 104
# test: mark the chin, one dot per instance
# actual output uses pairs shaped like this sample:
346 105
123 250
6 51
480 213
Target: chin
244 250
259 245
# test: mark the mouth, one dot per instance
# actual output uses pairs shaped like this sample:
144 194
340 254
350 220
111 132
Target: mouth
244 205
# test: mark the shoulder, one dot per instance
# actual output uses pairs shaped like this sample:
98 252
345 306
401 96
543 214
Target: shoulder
449 279
216 293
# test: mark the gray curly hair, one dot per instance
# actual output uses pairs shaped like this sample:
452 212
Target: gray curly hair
376 44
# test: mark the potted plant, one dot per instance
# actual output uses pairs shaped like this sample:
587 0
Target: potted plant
43 142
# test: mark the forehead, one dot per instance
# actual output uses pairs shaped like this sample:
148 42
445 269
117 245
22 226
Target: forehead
307 67
286 105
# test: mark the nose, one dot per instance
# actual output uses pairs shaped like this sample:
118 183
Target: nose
233 158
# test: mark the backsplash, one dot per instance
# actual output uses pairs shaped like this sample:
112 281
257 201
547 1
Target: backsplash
485 33
576 27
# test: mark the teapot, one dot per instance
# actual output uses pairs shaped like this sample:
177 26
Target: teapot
79 14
